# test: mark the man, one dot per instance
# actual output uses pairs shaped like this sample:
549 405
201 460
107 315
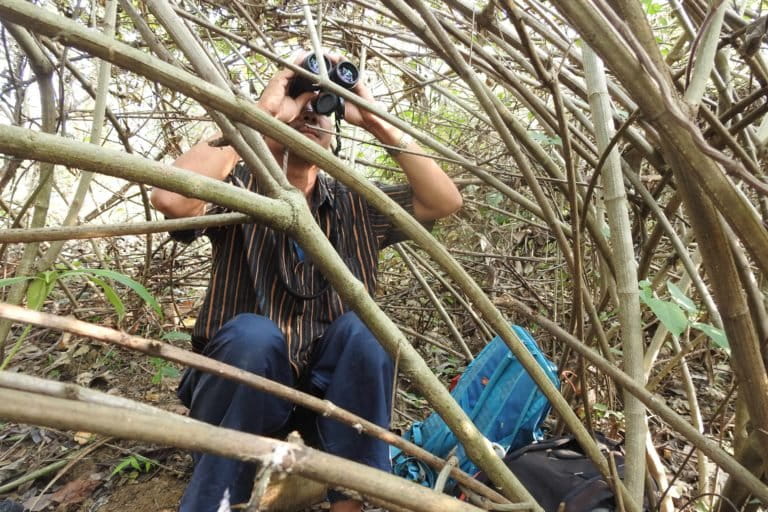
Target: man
268 310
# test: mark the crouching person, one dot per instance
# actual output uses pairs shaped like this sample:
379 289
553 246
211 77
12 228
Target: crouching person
269 310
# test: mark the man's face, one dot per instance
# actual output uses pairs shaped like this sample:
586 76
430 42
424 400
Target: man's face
306 123
314 126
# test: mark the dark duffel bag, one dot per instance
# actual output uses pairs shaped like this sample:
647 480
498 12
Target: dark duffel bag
561 477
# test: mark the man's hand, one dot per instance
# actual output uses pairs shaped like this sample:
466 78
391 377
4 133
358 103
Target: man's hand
275 99
352 113
434 194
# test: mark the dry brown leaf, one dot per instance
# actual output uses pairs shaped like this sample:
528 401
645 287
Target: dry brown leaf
38 503
83 437
75 491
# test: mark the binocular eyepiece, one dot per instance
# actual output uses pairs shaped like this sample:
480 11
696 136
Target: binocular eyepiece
326 103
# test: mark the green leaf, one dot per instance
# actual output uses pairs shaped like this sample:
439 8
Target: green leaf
112 297
169 372
13 280
125 463
671 315
36 293
645 290
717 335
176 336
50 276
680 297
124 280
668 313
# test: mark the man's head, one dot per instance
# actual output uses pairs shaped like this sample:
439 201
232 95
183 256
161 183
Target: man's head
313 126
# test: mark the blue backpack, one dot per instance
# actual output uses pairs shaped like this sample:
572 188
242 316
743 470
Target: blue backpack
500 398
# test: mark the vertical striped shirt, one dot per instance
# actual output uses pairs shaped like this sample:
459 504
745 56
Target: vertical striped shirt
256 269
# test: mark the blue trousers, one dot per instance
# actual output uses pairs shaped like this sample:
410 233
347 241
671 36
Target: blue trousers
348 367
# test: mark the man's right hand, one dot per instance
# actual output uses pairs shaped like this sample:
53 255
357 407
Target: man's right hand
276 101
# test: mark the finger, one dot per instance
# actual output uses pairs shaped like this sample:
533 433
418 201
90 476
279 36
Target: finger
299 56
304 98
284 75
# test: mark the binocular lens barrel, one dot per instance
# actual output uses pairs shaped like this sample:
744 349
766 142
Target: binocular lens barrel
311 64
344 74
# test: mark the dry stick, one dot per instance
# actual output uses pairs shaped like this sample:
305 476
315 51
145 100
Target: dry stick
513 132
44 74
459 297
249 144
33 475
193 360
121 133
524 93
71 461
603 157
128 228
617 210
678 245
728 139
650 247
429 340
656 99
174 430
99 108
435 302
575 83
552 83
38 146
754 295
683 145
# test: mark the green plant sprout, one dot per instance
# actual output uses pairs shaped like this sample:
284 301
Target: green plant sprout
163 370
136 463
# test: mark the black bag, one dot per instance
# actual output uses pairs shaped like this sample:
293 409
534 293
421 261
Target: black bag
557 471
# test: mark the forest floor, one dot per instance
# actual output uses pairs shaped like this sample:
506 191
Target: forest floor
85 472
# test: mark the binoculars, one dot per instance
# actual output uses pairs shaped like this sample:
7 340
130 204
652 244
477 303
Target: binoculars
326 103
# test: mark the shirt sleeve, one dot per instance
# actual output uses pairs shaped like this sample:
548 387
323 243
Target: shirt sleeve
187 236
384 230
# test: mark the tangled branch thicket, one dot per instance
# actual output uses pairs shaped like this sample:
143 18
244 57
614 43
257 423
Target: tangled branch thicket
622 209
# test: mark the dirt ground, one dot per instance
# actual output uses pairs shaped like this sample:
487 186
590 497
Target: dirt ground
79 471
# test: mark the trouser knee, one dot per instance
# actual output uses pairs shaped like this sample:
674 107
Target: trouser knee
250 342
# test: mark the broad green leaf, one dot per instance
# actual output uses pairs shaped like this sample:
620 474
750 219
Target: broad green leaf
668 313
717 335
112 297
680 297
13 280
124 280
645 290
50 276
36 293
